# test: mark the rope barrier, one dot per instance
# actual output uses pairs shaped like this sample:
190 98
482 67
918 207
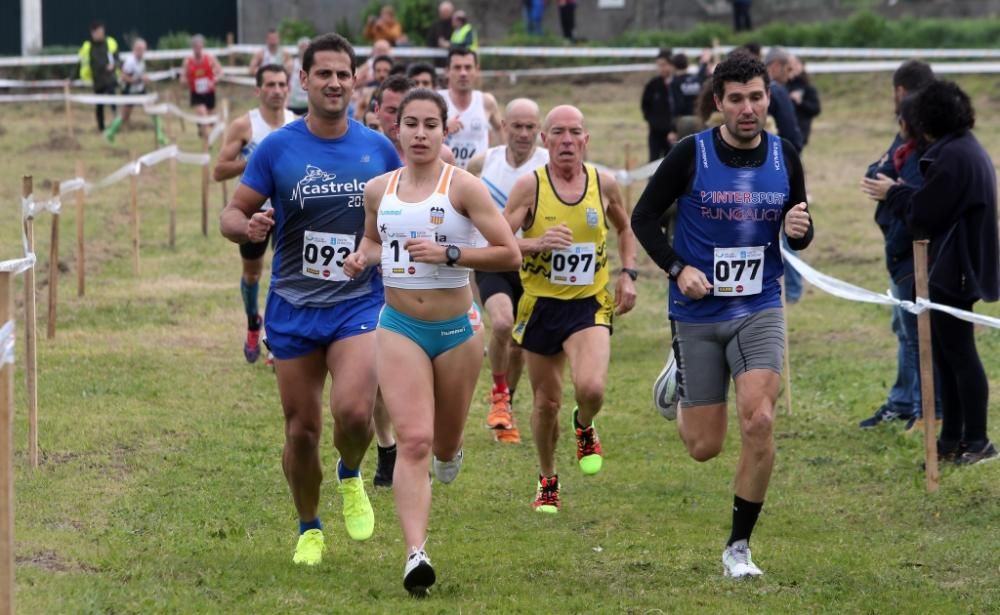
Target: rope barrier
845 290
30 208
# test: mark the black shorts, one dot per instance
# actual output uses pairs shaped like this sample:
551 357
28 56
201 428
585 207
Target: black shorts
500 282
251 250
203 99
543 323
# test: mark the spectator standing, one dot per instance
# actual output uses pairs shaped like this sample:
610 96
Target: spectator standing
298 98
656 108
533 11
463 34
804 96
98 64
956 208
741 15
271 54
783 111
439 34
904 400
684 90
386 27
567 19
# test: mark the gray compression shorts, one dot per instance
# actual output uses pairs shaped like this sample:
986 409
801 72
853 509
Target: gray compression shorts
707 354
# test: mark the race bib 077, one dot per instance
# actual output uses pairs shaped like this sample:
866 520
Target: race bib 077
738 272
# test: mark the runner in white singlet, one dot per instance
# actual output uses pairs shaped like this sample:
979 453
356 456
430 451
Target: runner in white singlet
473 115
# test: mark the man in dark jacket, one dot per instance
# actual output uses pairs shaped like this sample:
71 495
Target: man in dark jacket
956 208
781 108
684 90
804 96
439 34
904 400
656 108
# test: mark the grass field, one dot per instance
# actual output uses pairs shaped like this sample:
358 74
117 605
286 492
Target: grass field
160 488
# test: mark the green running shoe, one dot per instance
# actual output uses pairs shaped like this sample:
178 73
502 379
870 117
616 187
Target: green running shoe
358 515
589 453
547 495
309 550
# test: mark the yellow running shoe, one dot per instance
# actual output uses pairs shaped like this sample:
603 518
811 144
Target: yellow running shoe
547 495
309 550
589 453
358 515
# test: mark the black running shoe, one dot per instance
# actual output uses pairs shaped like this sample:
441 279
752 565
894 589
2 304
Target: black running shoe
384 467
884 414
987 452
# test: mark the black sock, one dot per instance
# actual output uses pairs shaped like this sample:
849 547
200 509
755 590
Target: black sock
511 391
253 322
744 518
385 450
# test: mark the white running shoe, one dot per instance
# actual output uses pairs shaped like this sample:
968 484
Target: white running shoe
736 562
665 390
418 575
447 471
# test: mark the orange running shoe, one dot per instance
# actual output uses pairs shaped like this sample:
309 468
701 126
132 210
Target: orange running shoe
507 436
500 416
547 496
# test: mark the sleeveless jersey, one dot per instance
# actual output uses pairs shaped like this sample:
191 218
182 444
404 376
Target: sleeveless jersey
475 134
258 130
499 176
297 97
273 58
728 227
432 218
199 74
316 186
581 270
136 70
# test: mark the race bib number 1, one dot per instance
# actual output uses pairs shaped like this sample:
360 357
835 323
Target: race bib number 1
574 266
396 261
323 255
738 271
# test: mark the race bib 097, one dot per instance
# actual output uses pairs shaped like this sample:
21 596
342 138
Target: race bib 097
574 266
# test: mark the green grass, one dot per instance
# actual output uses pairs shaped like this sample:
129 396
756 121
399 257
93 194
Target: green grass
160 488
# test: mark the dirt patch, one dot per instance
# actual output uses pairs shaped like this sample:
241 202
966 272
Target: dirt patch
46 560
58 141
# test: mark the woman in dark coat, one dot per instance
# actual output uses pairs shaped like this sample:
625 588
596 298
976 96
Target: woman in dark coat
956 208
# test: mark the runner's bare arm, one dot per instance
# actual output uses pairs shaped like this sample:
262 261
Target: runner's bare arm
230 164
475 165
369 251
241 219
258 57
619 216
502 253
445 155
519 211
493 113
216 70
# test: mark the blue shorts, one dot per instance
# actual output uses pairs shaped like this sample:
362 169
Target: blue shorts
433 337
296 331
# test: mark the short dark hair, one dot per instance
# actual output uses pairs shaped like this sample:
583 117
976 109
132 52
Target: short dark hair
665 54
944 108
97 23
753 48
680 61
398 69
378 59
913 75
741 67
423 94
908 116
268 68
272 30
420 68
328 42
458 50
394 83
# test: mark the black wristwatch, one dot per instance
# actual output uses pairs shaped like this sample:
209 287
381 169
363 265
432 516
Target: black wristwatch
632 273
676 268
452 253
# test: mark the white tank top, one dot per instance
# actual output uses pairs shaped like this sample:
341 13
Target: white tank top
258 130
433 218
475 134
297 97
273 58
499 176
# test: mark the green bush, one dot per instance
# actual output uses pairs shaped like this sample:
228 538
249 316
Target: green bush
291 30
182 40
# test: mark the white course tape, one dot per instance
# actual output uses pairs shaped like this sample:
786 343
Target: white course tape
7 337
198 159
30 208
239 80
164 108
113 99
70 186
217 132
845 290
630 177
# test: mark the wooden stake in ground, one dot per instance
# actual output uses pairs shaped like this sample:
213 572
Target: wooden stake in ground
173 202
204 186
628 183
932 477
50 323
225 122
30 334
134 200
230 41
788 362
6 455
67 105
81 261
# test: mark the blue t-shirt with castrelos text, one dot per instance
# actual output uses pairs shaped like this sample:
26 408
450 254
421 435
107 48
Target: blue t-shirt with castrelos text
316 187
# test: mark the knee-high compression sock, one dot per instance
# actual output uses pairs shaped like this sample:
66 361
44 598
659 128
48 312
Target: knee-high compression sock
249 294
